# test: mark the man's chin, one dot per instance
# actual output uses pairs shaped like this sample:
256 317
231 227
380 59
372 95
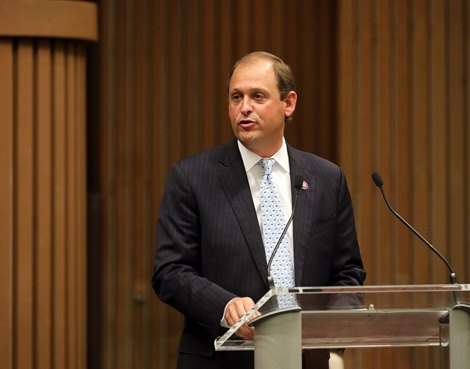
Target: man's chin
246 138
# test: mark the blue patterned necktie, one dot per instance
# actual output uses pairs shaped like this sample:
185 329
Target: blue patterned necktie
282 267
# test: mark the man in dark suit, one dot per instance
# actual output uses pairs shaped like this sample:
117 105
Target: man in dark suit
210 261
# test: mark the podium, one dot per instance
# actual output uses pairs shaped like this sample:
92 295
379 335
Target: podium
355 317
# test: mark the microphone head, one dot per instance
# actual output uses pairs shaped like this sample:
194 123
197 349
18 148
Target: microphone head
377 179
298 181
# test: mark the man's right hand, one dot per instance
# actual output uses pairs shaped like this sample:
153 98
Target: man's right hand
235 309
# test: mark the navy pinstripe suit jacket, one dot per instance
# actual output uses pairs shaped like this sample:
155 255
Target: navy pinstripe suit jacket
209 247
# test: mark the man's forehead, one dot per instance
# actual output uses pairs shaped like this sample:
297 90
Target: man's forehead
260 63
253 74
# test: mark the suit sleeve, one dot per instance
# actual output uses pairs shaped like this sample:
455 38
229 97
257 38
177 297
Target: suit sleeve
176 272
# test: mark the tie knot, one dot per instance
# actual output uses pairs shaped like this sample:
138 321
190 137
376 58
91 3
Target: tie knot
267 165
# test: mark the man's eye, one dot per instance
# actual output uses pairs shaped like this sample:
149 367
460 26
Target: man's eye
258 96
236 98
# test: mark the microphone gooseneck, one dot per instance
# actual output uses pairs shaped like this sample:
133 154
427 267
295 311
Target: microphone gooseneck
298 181
379 183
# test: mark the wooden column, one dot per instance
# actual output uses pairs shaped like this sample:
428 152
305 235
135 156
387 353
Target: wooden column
42 182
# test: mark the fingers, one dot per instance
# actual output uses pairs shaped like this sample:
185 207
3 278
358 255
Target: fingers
235 310
245 332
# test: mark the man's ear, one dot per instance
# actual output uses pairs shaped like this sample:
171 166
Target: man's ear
291 101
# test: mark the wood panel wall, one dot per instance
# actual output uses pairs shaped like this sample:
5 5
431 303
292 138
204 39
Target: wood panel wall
42 184
383 86
403 103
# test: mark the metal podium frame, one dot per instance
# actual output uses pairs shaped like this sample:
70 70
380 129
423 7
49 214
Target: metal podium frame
355 317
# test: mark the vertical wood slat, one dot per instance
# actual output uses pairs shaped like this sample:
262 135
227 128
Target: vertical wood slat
439 139
466 14
364 125
383 134
208 54
121 284
73 186
192 43
345 101
7 212
140 165
59 208
79 82
456 117
420 137
43 162
23 199
400 182
177 72
226 54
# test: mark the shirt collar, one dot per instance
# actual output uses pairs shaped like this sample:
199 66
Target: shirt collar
250 159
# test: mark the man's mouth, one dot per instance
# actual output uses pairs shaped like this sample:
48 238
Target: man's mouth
246 123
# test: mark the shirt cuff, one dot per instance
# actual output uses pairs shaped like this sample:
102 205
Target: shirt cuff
223 322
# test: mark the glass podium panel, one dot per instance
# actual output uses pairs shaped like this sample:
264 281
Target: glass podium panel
360 316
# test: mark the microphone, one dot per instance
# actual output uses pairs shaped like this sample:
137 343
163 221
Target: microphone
298 181
379 183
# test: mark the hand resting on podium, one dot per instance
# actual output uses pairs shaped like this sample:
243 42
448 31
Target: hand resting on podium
235 310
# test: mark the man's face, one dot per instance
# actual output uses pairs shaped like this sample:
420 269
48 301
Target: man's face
256 111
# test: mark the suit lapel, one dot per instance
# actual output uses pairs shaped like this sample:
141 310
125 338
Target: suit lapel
232 175
303 216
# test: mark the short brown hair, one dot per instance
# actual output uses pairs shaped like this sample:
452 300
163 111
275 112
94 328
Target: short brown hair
284 76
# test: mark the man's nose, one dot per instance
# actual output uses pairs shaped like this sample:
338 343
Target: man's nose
246 106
